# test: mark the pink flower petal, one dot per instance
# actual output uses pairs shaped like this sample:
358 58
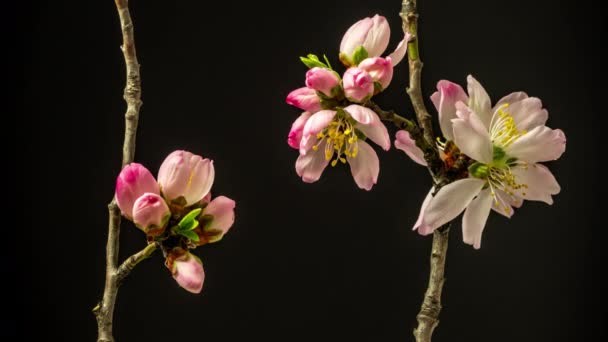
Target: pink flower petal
445 99
370 124
133 181
397 55
450 201
188 273
540 144
305 98
222 210
475 217
310 166
297 128
150 213
405 143
365 166
318 121
377 37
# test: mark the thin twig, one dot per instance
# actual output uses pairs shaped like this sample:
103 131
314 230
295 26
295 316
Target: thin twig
428 318
132 95
128 265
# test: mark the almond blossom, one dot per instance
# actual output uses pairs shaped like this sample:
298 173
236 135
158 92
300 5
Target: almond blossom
506 143
332 136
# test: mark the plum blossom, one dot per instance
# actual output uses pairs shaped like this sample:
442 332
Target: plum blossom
506 143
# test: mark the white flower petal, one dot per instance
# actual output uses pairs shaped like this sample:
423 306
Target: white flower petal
451 201
424 230
479 101
528 113
471 141
510 99
540 144
540 184
475 217
405 143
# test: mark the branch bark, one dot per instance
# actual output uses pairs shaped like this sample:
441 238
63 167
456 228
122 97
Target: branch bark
428 317
104 311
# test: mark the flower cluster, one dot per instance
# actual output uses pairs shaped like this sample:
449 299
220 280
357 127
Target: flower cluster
176 210
505 144
336 123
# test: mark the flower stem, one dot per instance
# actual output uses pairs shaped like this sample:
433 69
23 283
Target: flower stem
428 317
104 311
431 305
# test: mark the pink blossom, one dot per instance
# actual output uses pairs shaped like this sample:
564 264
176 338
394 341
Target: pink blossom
133 181
506 142
187 270
323 80
380 69
358 85
151 213
330 134
305 98
295 134
221 210
371 35
186 175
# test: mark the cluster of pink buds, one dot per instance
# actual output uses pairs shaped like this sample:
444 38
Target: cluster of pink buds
176 211
336 122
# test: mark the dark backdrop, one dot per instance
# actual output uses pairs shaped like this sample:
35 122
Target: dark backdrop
303 262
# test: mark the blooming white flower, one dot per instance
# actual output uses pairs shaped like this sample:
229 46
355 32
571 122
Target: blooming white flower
506 142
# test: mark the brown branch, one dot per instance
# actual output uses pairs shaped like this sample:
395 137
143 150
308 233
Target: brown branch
132 95
428 318
128 265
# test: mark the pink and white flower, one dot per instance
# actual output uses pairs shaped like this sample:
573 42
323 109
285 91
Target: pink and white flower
305 98
380 69
372 36
186 175
187 270
336 134
151 214
358 85
506 142
133 181
322 80
220 215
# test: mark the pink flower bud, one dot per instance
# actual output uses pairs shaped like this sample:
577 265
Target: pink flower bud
186 175
222 210
150 214
187 270
380 69
322 79
305 98
358 85
297 128
370 33
132 182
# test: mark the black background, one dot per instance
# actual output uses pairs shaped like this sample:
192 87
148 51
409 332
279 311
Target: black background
324 261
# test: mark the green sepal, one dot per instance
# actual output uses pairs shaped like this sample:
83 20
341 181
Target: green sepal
213 235
498 154
327 62
377 87
359 55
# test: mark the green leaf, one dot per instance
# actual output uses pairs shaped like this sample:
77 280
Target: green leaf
359 55
327 61
190 235
312 63
189 221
